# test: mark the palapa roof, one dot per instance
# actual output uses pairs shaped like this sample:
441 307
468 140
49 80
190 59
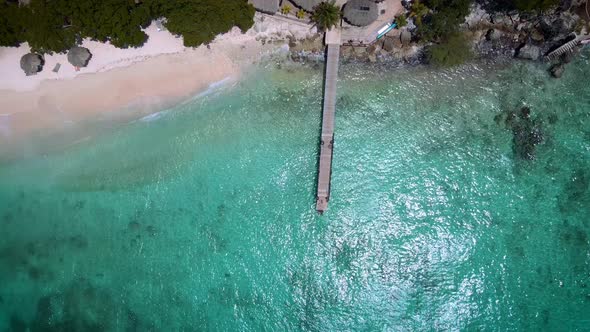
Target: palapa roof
79 56
31 63
267 6
361 12
307 4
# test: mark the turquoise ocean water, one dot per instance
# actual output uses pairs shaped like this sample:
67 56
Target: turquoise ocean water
202 218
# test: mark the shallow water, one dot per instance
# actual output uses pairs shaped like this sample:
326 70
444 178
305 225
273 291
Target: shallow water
202 218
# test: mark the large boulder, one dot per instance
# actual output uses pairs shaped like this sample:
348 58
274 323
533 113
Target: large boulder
537 36
568 22
406 37
31 63
346 52
388 44
548 28
493 34
501 18
528 52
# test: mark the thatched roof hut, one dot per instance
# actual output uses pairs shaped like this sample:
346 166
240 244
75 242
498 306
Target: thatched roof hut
307 4
79 56
31 63
266 6
361 12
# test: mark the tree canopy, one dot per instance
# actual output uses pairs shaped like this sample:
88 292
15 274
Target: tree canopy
326 15
520 5
10 24
199 21
443 19
56 25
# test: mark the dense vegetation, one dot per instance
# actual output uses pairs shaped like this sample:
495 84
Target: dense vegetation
326 15
56 25
442 18
520 5
439 21
401 21
451 51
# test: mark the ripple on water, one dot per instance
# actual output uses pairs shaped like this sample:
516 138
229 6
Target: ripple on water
204 218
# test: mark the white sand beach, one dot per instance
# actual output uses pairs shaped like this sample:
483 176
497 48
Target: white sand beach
145 79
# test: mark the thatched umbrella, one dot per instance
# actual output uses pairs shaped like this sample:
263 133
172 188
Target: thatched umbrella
31 63
361 12
79 56
307 4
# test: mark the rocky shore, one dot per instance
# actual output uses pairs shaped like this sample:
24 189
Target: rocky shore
493 35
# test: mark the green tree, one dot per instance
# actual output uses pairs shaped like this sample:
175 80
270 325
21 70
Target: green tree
326 15
286 9
10 24
418 11
45 27
199 21
56 25
116 21
453 50
300 14
444 20
401 20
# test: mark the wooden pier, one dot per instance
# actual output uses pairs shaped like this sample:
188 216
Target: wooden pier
567 47
327 136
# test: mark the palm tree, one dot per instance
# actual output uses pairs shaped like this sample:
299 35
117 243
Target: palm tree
418 10
286 9
326 15
301 14
401 20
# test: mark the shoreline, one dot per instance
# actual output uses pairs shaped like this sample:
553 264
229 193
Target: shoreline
129 85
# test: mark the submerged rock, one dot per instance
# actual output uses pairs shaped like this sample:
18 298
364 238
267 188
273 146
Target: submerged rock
17 324
81 307
526 135
526 132
557 70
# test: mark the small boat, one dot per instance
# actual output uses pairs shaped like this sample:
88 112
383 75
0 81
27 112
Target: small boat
385 29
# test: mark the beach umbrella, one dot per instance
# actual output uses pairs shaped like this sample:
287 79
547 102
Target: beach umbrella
31 63
361 12
79 56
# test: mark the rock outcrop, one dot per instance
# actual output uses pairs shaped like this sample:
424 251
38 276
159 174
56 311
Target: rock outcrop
529 52
557 70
